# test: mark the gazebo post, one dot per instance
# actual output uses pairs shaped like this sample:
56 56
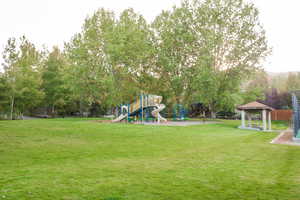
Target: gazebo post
270 128
243 119
264 119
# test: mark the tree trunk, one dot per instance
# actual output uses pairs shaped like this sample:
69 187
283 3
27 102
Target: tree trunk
12 107
52 111
80 107
213 114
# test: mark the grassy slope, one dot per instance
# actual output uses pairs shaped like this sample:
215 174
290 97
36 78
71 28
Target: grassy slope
78 159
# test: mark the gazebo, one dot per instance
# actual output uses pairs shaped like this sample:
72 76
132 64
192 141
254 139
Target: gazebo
250 109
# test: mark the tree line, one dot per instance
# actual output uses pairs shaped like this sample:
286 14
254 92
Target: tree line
279 89
201 51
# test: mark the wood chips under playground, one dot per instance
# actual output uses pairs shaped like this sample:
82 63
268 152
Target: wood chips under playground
285 137
168 123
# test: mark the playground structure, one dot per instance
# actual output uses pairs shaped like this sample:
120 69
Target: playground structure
296 115
146 107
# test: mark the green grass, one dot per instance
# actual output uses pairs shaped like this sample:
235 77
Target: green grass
74 159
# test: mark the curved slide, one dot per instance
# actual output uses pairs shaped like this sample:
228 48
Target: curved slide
120 118
156 114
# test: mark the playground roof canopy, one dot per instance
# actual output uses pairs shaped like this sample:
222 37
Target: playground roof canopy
255 106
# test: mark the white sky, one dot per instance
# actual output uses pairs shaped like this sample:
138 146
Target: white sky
51 22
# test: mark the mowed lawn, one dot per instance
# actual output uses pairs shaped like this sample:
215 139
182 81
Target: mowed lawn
74 159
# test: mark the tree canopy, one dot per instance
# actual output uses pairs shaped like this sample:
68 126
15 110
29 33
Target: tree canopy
201 51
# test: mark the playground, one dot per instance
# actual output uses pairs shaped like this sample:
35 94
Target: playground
146 110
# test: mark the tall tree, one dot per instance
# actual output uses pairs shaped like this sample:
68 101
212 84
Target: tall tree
206 49
89 70
4 98
232 44
293 81
130 49
176 53
113 58
255 89
53 84
22 64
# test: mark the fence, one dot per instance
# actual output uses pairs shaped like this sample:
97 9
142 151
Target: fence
285 115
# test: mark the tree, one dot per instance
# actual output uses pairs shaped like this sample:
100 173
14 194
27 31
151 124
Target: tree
130 49
53 84
231 46
176 53
4 98
89 72
111 59
22 64
206 49
255 89
293 81
278 81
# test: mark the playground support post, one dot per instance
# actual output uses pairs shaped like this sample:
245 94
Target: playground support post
142 107
128 112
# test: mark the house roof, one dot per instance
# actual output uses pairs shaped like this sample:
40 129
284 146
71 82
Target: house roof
255 106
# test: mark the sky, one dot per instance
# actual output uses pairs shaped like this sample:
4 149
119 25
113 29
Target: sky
53 22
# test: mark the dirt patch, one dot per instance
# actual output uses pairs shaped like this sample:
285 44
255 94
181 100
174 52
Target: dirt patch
107 121
168 123
179 123
285 137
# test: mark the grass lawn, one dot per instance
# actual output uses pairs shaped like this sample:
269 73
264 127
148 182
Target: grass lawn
74 159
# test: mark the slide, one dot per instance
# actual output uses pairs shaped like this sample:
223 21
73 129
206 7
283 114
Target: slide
156 114
120 118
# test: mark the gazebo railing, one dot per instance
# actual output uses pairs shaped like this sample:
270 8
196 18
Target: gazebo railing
296 112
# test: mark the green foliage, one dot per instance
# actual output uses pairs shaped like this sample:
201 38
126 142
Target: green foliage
22 65
4 98
130 49
113 58
206 49
256 88
175 44
201 51
293 82
232 45
89 72
56 91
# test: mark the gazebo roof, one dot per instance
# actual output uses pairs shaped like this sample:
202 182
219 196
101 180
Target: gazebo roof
255 106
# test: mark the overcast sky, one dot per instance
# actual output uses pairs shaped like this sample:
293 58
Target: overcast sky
51 22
